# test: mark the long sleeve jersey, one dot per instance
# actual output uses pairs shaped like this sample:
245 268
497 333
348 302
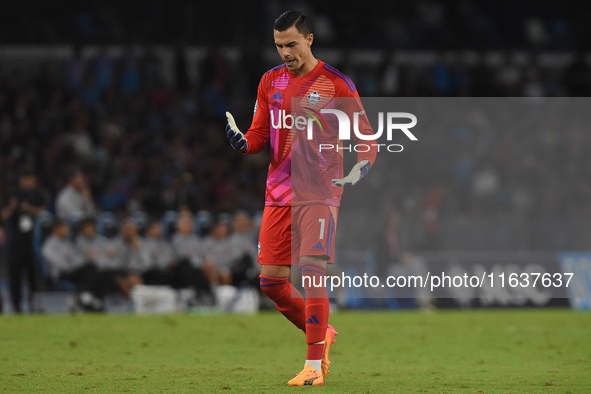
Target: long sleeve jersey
288 115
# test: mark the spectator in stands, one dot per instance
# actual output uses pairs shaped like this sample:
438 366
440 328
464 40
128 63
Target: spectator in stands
19 211
103 252
96 247
189 247
219 254
74 201
67 263
161 265
157 256
186 243
243 245
142 143
78 138
410 265
127 247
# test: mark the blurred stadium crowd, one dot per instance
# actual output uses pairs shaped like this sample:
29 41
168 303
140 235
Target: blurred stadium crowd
143 144
183 251
105 255
146 145
132 135
405 24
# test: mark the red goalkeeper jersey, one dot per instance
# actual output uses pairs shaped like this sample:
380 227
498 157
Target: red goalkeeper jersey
306 152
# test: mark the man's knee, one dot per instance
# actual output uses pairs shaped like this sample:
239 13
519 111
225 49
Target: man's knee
318 260
278 271
273 287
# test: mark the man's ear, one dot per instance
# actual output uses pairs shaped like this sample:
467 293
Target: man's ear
310 39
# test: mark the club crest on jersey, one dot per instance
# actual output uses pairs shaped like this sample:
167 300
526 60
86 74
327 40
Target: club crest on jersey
314 98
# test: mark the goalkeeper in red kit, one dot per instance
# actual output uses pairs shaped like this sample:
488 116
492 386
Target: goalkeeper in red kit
304 182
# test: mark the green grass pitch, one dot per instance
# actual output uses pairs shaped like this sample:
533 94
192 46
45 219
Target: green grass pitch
377 352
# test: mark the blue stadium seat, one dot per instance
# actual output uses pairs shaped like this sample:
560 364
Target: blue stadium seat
225 217
74 226
107 224
141 219
168 224
41 230
203 223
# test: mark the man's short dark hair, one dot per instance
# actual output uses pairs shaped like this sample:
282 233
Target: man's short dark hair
58 223
27 171
71 172
291 18
87 222
153 222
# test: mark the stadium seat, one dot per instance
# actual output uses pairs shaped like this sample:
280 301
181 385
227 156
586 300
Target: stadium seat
225 217
107 224
169 224
74 226
41 231
203 223
141 219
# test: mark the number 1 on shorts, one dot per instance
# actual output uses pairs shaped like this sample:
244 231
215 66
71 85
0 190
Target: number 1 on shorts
322 222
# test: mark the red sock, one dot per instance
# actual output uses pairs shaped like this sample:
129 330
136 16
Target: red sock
317 308
287 298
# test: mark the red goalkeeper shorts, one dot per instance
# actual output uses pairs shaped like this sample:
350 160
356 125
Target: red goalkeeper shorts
288 233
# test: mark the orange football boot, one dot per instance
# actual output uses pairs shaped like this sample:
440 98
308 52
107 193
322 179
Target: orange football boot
308 377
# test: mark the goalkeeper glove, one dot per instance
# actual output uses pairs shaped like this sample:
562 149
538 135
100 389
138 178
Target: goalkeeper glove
357 172
235 136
